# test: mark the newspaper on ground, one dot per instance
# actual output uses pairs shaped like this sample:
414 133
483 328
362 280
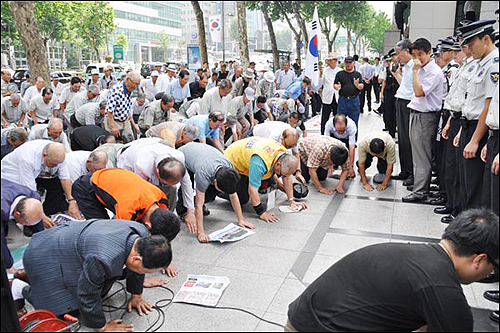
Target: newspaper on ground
202 289
231 233
288 209
61 218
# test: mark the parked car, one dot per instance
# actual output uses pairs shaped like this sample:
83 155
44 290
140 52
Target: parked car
64 77
20 76
118 70
147 68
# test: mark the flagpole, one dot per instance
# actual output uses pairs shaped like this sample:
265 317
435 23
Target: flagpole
223 35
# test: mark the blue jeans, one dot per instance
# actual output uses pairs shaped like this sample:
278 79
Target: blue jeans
349 107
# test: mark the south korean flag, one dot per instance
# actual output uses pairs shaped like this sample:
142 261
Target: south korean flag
216 28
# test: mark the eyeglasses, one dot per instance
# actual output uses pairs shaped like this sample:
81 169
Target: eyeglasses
493 262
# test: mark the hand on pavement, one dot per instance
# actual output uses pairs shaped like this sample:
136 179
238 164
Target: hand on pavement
140 304
170 271
368 187
269 218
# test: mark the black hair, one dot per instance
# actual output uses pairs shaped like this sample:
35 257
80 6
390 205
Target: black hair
215 73
165 223
215 116
377 146
356 57
199 70
166 168
104 138
261 99
183 73
306 80
155 251
474 231
338 154
340 117
294 115
46 91
421 44
27 76
228 180
377 58
75 80
251 63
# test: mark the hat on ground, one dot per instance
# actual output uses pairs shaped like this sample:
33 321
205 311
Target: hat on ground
473 30
300 191
269 76
249 93
94 71
249 73
171 68
378 178
332 56
155 73
349 59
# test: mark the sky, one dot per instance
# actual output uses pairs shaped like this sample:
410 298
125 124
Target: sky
384 6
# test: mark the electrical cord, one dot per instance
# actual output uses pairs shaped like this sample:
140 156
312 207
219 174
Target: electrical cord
162 304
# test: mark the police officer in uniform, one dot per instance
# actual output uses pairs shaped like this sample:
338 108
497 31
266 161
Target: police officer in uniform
480 90
389 88
453 105
447 48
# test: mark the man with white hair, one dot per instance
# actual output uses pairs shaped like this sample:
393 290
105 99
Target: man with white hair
239 107
52 131
217 99
151 86
284 77
41 162
6 78
34 90
119 107
13 110
89 114
43 107
80 99
14 137
178 134
82 162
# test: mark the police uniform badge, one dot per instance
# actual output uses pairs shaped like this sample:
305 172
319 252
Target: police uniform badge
448 74
495 60
494 77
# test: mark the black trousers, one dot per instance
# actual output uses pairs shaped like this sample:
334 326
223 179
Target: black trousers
403 124
84 193
260 116
441 156
316 104
390 113
321 172
74 123
243 190
55 201
367 90
490 180
302 100
381 164
471 170
376 88
325 113
210 195
451 177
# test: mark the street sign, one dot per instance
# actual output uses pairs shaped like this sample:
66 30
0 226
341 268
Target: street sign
194 35
118 52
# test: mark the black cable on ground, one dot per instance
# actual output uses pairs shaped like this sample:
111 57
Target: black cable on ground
159 307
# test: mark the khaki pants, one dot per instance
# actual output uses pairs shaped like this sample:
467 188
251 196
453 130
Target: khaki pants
289 327
245 127
123 126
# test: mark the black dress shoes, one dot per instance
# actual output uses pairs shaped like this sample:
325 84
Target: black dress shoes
409 188
401 176
491 295
435 181
408 181
447 219
494 316
438 201
442 210
434 194
434 188
492 278
413 198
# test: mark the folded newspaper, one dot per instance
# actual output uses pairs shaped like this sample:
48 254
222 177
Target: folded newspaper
231 233
61 218
202 289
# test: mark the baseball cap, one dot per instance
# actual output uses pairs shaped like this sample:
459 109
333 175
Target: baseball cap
249 93
269 77
155 73
94 71
349 59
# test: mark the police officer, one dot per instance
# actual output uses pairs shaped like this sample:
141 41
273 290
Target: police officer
480 90
388 93
453 105
447 49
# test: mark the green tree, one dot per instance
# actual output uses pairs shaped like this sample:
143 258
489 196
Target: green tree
283 39
9 33
92 28
202 40
376 34
122 39
233 28
164 40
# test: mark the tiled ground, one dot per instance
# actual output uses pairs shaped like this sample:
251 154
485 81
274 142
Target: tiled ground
271 268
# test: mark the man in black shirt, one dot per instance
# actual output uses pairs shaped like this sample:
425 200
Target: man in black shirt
403 287
197 88
223 73
349 83
89 138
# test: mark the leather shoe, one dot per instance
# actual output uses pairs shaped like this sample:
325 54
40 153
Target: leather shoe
434 194
410 188
434 188
401 176
447 219
438 201
408 181
442 210
435 181
492 278
413 198
491 295
494 316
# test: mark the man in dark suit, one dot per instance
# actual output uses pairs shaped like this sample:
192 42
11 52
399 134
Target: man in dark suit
73 265
22 205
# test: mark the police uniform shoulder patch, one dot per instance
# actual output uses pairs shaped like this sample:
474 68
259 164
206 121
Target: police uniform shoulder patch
494 77
472 68
495 60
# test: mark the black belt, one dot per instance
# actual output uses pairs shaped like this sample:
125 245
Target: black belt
350 97
403 100
415 111
494 134
467 123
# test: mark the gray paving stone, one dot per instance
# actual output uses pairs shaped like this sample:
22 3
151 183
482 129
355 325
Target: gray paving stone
288 292
267 327
363 221
318 266
478 289
339 245
417 220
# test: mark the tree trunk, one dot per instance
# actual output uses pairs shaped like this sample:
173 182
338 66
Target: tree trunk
63 60
297 38
272 36
36 52
348 42
300 21
297 46
242 33
335 37
53 53
202 39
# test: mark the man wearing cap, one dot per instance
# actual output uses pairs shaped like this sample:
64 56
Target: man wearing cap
57 86
243 82
94 78
179 88
388 91
151 86
404 76
329 95
106 78
367 71
239 107
265 86
480 90
425 109
349 83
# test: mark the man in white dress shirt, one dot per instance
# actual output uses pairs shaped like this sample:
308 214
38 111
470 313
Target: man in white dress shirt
82 162
329 94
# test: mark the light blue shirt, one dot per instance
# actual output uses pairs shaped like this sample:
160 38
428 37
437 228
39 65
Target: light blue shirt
295 88
405 90
366 70
180 93
205 130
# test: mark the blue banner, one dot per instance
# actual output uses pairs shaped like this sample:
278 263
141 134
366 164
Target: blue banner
193 57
